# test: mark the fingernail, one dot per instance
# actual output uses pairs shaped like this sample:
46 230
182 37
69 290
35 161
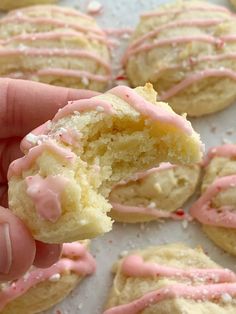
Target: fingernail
5 249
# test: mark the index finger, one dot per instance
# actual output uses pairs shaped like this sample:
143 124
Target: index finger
25 104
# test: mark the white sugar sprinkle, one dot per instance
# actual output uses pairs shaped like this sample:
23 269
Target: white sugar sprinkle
85 81
100 108
123 253
94 7
55 277
226 298
152 205
32 138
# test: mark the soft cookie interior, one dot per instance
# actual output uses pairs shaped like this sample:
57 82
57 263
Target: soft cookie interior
88 147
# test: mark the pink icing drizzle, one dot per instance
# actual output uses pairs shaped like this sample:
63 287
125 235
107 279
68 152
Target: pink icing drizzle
198 293
219 281
55 52
50 21
22 164
220 217
134 266
46 195
196 77
155 212
150 110
83 105
171 25
76 259
211 8
227 150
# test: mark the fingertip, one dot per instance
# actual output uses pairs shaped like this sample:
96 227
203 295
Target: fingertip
47 254
17 246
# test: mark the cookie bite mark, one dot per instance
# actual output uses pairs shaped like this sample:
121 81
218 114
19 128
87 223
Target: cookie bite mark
46 195
56 281
120 133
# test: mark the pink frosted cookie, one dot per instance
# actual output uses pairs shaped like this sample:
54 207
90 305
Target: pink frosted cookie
40 289
171 279
154 194
54 45
60 188
216 208
186 50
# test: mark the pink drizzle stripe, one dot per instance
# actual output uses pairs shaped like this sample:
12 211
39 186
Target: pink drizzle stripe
155 212
171 25
197 293
195 61
60 72
196 77
54 9
76 260
49 21
172 41
227 150
155 113
210 8
45 52
53 36
135 266
84 105
224 216
22 164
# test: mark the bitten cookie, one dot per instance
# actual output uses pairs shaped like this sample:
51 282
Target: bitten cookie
216 208
187 51
6 5
154 194
40 289
171 279
54 45
60 188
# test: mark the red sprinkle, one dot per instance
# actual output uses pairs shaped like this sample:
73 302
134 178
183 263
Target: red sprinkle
180 212
121 78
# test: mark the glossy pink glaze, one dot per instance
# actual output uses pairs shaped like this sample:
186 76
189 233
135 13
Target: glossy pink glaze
171 25
76 259
50 21
52 8
198 293
155 113
227 150
144 174
220 217
84 105
43 129
155 212
53 35
55 52
135 266
210 8
193 61
172 41
46 195
24 163
196 77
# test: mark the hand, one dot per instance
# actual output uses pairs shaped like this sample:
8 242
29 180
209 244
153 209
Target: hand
24 105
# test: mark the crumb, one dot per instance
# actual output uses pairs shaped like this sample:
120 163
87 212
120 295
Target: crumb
94 7
185 224
213 129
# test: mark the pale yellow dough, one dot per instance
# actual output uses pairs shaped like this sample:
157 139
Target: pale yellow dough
111 147
7 5
225 238
166 189
45 294
126 289
54 45
168 64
